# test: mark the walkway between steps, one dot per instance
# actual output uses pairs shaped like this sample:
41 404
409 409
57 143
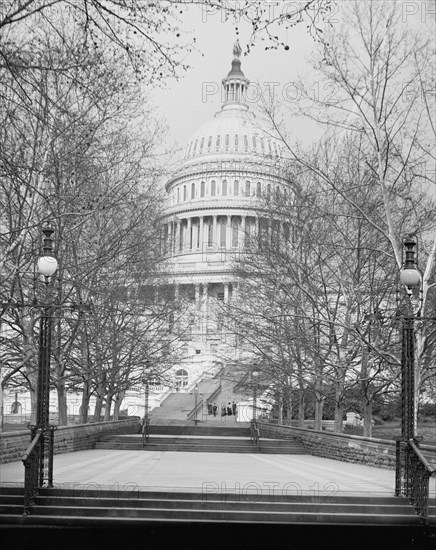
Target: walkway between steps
212 473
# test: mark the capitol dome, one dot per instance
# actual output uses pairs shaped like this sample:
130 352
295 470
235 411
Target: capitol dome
235 130
216 208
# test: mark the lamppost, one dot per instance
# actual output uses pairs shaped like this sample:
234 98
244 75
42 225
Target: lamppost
47 266
412 471
410 277
254 376
146 391
38 458
195 403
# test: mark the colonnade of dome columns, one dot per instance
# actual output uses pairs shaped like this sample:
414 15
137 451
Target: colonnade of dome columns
203 310
227 231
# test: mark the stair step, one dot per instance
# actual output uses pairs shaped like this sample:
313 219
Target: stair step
96 516
55 506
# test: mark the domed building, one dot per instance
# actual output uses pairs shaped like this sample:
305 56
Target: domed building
214 208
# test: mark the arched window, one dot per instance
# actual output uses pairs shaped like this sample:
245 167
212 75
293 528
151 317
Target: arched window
227 140
178 195
218 140
254 142
247 188
181 378
236 188
202 189
259 189
213 188
236 141
202 144
209 143
246 143
268 190
278 193
224 188
185 193
195 147
16 407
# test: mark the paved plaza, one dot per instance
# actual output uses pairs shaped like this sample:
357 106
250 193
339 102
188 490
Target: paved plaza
212 473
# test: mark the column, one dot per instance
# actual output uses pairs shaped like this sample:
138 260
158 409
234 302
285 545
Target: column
243 231
228 232
197 308
197 296
177 238
201 231
172 238
215 240
188 234
204 310
226 293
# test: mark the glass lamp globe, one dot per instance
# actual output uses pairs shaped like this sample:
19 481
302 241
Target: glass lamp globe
410 277
47 265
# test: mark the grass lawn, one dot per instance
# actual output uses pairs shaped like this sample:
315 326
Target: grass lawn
390 430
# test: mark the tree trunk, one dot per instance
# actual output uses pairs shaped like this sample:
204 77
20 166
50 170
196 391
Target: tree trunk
107 411
367 418
301 402
1 399
84 409
86 392
62 403
60 371
280 411
117 405
319 405
319 398
98 408
339 400
339 416
367 401
288 418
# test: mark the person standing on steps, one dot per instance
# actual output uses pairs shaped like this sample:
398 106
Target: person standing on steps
141 425
234 409
214 409
229 409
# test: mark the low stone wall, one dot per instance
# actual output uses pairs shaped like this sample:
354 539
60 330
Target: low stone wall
370 451
67 439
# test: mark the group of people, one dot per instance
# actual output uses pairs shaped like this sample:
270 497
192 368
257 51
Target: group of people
231 409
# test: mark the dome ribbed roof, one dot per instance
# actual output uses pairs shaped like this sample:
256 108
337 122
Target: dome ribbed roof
234 130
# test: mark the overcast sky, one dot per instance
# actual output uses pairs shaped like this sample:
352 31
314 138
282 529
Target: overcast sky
194 99
188 103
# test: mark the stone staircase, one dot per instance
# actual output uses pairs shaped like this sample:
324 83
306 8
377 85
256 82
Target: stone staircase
109 508
175 407
188 438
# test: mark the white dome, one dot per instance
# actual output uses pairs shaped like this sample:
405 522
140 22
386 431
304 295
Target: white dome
233 131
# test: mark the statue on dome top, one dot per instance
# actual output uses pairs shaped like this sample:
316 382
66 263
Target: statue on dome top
237 50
